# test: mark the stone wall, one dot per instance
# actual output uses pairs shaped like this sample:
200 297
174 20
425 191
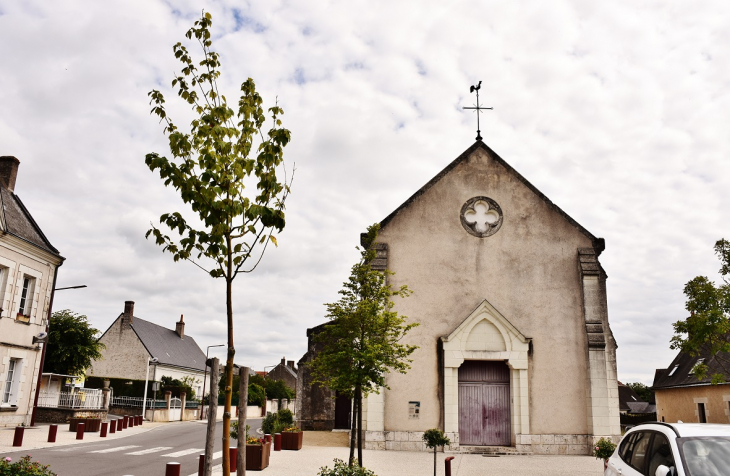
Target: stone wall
61 415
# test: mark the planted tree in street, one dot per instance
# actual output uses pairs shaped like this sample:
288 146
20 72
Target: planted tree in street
228 169
72 344
363 340
433 439
707 329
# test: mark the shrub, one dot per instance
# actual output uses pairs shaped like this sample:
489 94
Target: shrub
604 449
267 426
286 416
341 469
435 438
277 422
234 429
24 467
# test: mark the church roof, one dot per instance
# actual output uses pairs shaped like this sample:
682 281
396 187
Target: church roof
167 346
598 243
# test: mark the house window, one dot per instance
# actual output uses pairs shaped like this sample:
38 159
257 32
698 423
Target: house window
26 299
673 370
697 364
701 413
11 379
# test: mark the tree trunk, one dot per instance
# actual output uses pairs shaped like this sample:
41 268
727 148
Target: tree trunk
353 432
359 425
242 404
212 411
229 366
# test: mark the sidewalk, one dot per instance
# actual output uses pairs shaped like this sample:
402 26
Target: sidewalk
37 437
308 461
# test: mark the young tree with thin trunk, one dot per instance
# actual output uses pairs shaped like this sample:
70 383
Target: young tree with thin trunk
225 168
362 341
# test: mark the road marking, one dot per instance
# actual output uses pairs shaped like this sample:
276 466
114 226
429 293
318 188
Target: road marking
150 450
73 448
118 448
215 468
184 452
217 454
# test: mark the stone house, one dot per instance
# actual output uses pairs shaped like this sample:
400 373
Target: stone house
511 300
132 342
680 395
28 267
284 371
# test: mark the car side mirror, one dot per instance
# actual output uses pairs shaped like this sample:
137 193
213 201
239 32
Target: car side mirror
662 471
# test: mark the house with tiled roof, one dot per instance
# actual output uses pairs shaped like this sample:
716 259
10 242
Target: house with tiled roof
132 344
681 395
28 266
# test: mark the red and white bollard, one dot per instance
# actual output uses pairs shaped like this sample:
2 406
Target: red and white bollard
18 437
447 469
80 431
172 469
277 442
52 430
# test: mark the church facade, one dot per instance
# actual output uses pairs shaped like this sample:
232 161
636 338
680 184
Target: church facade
515 348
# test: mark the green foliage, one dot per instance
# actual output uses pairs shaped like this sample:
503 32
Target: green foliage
342 469
227 169
256 394
234 429
278 390
177 386
123 387
267 425
362 341
277 422
644 392
707 329
435 438
23 467
72 344
604 449
286 416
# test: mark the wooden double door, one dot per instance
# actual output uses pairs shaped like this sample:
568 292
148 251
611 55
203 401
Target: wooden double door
484 404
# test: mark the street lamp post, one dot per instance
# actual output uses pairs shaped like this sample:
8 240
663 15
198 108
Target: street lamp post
205 374
146 379
43 352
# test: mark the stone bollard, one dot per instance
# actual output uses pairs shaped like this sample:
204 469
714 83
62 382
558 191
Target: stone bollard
233 453
277 442
447 469
201 465
80 431
104 427
172 469
52 430
18 438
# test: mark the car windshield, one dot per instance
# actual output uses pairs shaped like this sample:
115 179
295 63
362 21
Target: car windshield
705 456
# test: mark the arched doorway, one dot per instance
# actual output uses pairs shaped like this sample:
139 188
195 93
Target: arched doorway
484 403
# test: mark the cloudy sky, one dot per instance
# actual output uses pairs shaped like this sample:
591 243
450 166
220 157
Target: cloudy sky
617 111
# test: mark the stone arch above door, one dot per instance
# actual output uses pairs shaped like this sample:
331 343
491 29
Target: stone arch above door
486 335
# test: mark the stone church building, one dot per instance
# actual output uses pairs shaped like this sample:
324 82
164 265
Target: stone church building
515 348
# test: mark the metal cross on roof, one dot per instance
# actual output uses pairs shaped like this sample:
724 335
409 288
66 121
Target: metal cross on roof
478 109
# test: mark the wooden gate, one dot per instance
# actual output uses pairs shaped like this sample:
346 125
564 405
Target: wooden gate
343 405
484 404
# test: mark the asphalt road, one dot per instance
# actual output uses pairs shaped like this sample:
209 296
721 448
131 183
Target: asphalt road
145 454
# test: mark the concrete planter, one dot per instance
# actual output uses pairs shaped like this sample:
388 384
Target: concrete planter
292 440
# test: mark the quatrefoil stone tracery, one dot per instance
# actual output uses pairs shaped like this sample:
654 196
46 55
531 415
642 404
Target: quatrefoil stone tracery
481 216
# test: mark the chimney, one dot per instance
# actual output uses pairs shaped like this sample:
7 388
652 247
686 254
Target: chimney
283 361
180 327
8 171
290 364
128 316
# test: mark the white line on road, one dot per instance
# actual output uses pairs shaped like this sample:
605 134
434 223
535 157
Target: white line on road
213 469
150 450
118 448
184 452
217 454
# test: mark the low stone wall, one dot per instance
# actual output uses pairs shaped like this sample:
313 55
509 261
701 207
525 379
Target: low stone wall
535 444
61 415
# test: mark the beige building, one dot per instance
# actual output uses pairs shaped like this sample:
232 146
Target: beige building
131 344
515 348
28 264
681 396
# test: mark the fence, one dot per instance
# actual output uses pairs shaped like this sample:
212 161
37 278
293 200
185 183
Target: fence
136 402
91 399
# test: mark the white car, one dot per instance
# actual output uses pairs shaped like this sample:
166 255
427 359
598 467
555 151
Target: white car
674 449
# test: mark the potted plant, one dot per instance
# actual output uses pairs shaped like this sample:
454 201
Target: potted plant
257 454
24 467
435 438
343 469
603 450
291 438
